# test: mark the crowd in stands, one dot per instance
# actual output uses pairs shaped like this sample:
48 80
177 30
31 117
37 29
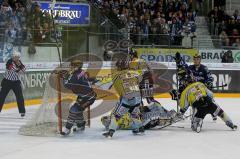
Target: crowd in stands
226 26
41 25
19 25
159 22
13 21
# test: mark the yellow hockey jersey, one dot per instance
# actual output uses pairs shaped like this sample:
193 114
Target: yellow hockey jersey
138 64
125 82
192 93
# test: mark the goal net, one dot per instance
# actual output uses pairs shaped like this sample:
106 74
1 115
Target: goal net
52 114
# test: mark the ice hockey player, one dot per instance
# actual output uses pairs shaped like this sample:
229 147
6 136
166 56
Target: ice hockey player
202 74
126 84
146 85
199 71
77 80
197 95
152 115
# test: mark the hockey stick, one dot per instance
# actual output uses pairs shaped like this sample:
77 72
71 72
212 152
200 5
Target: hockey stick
173 126
219 86
177 90
171 123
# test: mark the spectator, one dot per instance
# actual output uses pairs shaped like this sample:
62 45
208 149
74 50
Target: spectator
150 17
175 32
234 37
227 25
46 33
227 57
199 6
11 33
13 20
224 39
235 14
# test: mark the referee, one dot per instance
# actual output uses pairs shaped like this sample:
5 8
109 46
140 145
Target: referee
11 81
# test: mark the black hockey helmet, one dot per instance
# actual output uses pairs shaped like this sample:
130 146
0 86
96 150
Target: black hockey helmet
185 75
76 63
133 53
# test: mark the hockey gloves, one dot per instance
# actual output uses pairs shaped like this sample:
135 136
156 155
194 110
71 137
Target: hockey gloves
178 58
174 94
209 85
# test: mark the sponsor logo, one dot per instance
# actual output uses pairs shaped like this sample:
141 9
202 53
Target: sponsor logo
237 57
162 58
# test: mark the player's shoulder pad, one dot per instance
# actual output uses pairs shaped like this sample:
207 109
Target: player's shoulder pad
204 67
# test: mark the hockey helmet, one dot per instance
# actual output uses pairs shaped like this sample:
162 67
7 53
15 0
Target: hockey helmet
196 56
185 75
133 54
76 63
181 72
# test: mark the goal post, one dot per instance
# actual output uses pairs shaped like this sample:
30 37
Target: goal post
51 116
59 103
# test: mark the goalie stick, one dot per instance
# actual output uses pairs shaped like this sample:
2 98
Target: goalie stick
171 123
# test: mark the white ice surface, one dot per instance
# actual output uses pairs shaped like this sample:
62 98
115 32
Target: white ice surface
216 141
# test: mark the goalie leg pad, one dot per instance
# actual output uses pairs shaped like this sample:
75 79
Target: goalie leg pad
135 115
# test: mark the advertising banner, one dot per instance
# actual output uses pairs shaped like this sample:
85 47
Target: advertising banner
68 13
164 55
33 85
165 80
215 55
34 82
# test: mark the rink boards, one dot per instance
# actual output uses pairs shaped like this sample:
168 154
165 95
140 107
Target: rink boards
36 77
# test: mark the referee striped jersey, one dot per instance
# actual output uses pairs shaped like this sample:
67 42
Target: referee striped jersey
13 70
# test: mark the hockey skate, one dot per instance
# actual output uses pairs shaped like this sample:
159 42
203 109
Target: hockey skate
231 125
138 131
214 118
109 134
65 132
79 127
197 124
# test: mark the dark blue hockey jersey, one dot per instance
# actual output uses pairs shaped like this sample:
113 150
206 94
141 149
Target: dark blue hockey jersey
78 82
201 74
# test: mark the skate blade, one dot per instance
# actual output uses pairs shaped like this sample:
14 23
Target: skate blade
139 134
107 137
64 134
235 128
76 130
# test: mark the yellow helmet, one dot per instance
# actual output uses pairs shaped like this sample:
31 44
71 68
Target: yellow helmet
196 56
